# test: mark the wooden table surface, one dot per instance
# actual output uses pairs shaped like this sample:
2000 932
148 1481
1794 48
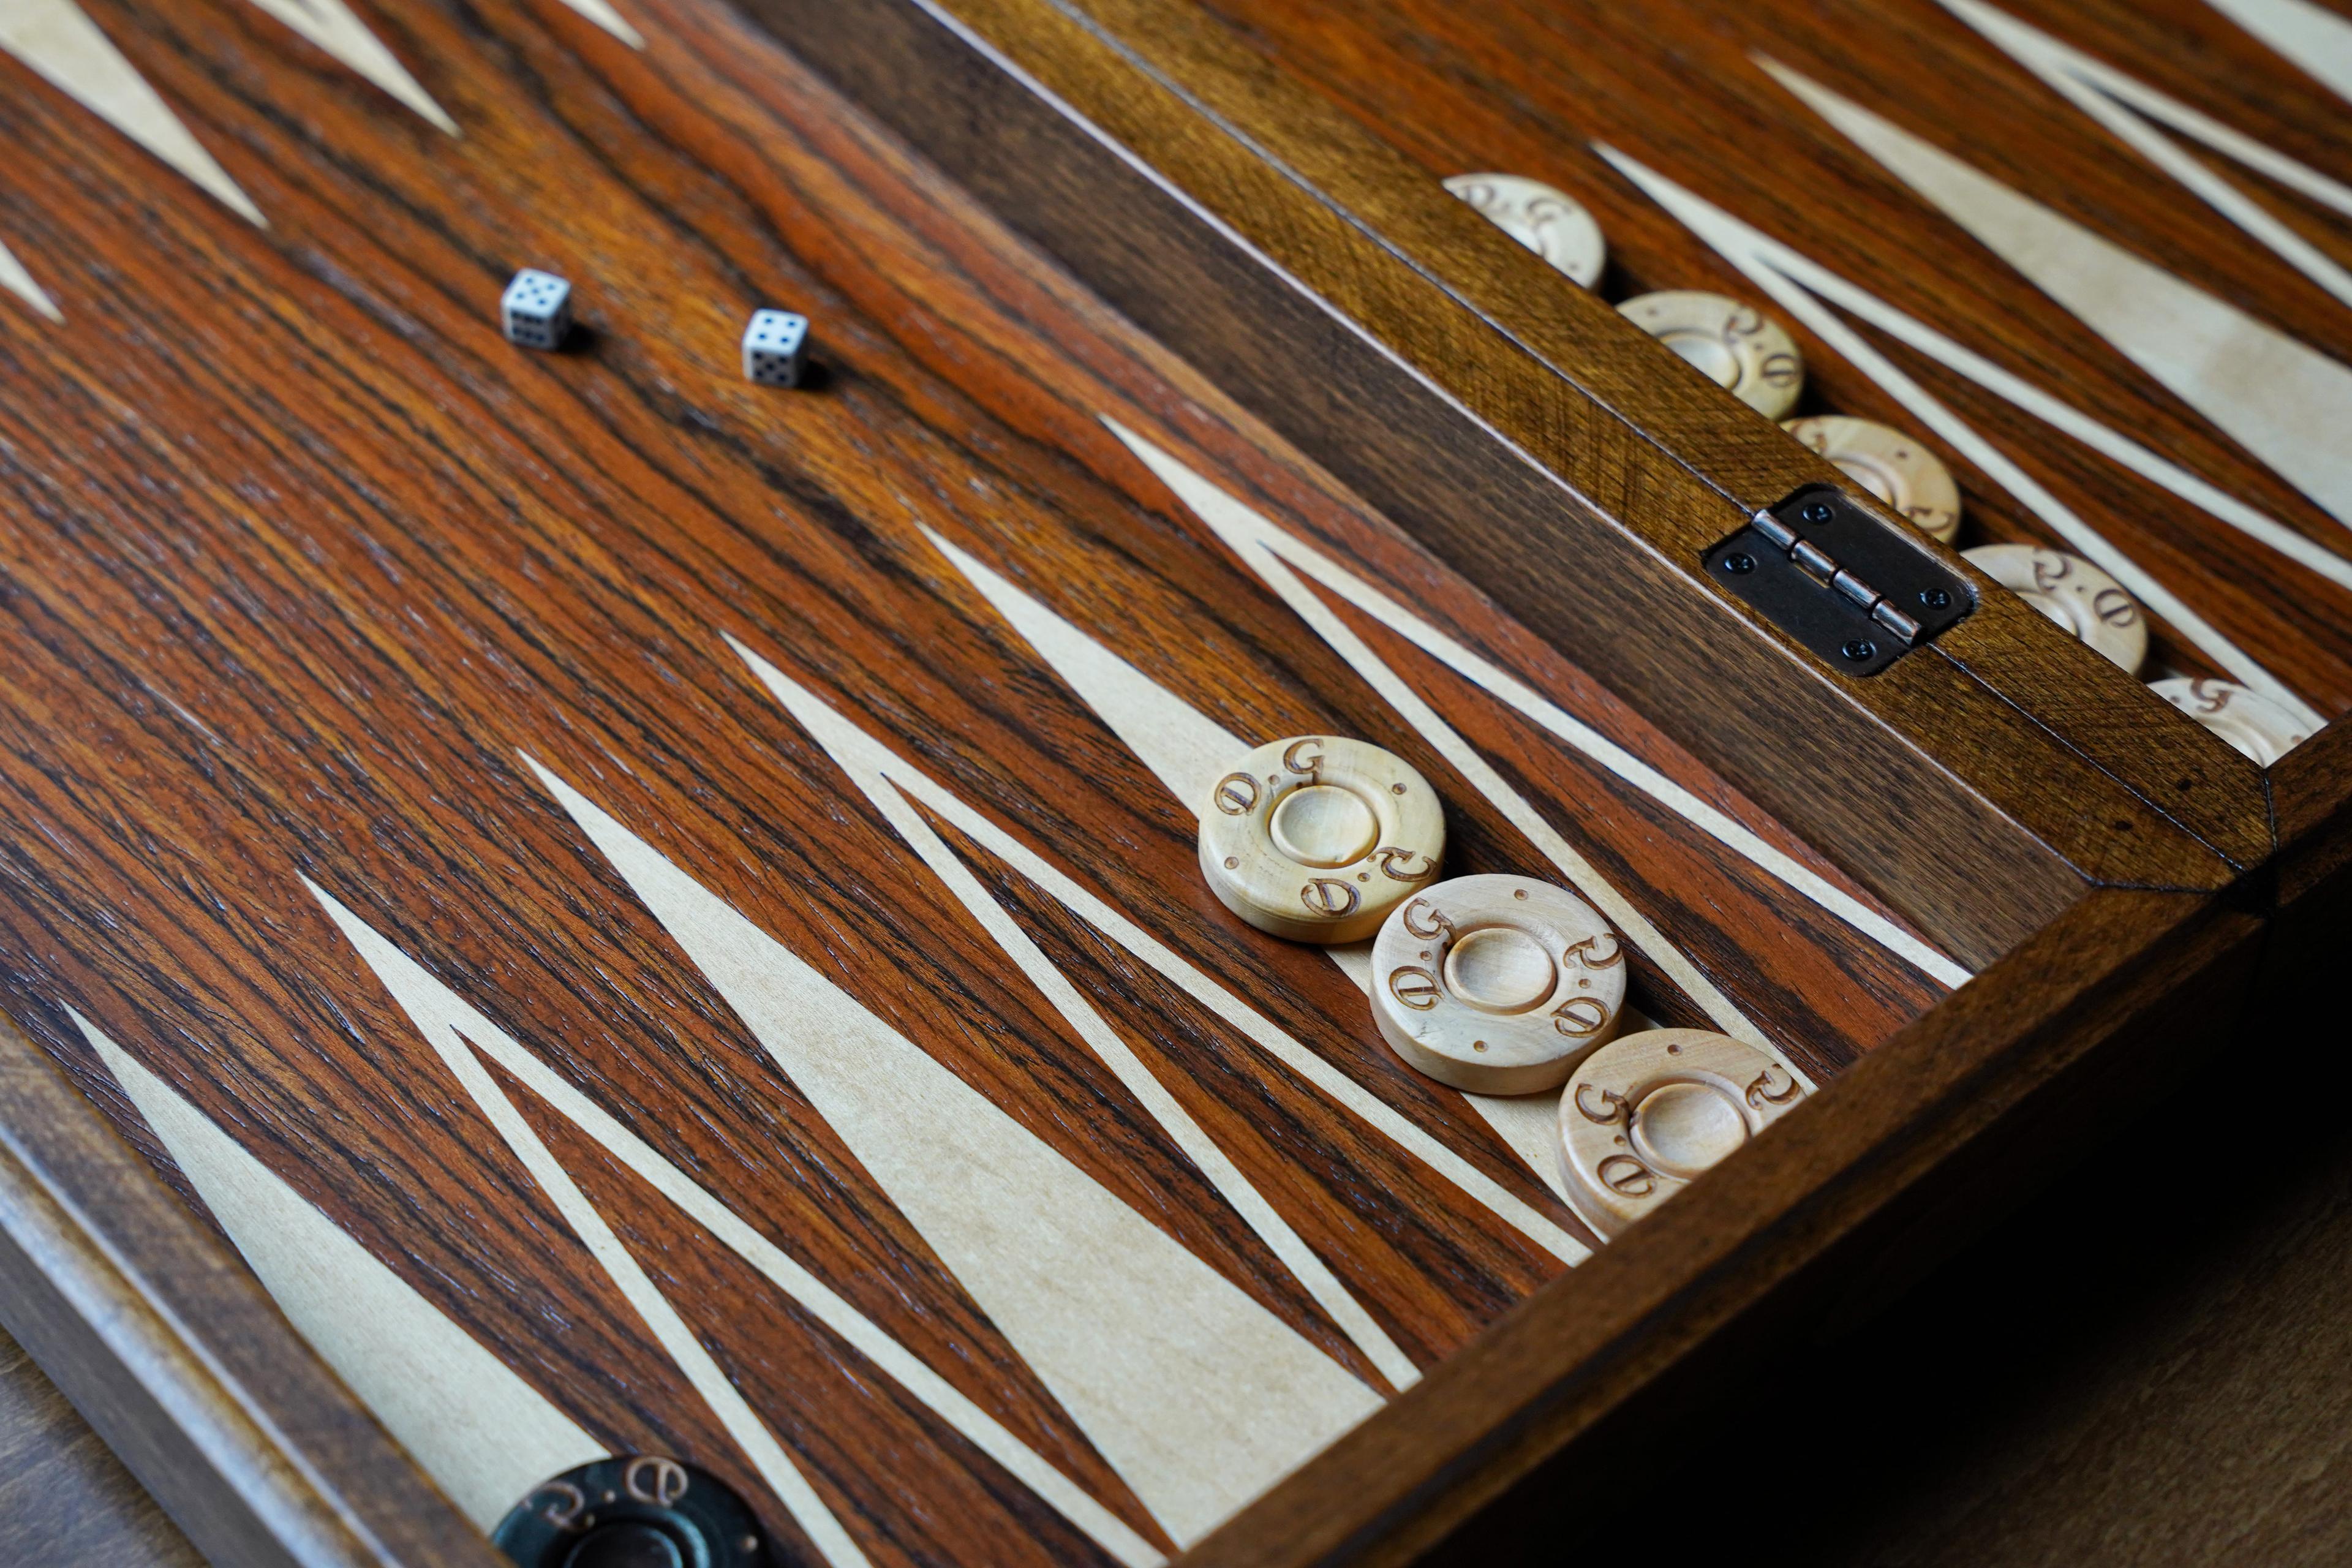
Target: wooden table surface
2141 1368
64 1497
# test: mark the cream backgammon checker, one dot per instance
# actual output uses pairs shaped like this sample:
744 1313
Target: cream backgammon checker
2092 605
2260 728
1648 1114
1497 985
1899 470
1549 222
1729 342
1318 837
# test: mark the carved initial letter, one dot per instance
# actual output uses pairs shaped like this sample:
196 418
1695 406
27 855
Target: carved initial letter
652 1479
1415 987
1388 857
1626 1176
1237 794
1603 951
1580 1016
1613 1104
1424 920
1329 898
1295 759
564 1502
1764 1091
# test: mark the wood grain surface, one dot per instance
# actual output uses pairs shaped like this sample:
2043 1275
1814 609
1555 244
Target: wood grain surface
322 596
1541 1425
177 1357
1218 203
69 1498
1538 89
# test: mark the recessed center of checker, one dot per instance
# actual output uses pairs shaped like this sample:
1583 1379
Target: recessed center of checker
1687 1128
1325 825
1500 969
1713 358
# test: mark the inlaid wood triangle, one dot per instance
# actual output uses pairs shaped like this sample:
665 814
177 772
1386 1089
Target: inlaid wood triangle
601 11
1190 751
433 1005
331 25
869 765
59 41
2131 110
2311 36
485 1435
449 1025
1199 1397
19 282
2281 399
1273 554
1184 748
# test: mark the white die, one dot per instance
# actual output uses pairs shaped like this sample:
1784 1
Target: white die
537 309
771 348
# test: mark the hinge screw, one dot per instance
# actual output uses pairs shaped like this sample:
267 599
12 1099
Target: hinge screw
1816 512
1935 598
1860 649
1740 564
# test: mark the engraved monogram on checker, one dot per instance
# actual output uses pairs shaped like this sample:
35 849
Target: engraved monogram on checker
1733 344
2088 602
640 1508
1496 984
2255 725
1891 466
1318 837
1551 223
1644 1116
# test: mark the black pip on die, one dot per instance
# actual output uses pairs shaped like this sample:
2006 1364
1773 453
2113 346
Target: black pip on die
536 311
771 348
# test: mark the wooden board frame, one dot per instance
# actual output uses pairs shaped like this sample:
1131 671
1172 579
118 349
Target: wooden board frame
1337 290
1906 1155
1274 241
1919 1147
1969 786
1533 439
1793 126
174 1353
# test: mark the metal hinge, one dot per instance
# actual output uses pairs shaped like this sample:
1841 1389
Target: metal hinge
1851 586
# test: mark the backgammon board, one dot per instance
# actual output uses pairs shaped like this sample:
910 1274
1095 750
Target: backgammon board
620 932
